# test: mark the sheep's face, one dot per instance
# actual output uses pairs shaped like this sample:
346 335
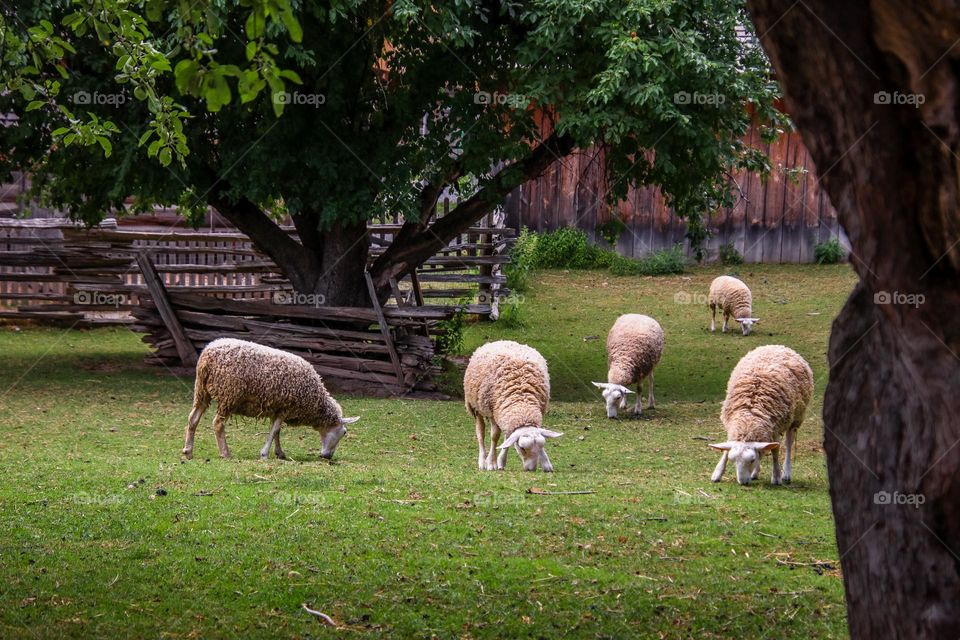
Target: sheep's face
331 437
746 324
615 395
746 457
529 443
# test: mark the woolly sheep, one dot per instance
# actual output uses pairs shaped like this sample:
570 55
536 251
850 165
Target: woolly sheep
508 384
634 347
252 380
767 396
733 298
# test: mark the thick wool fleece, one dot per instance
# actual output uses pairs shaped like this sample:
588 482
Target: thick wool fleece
634 347
767 394
507 382
249 379
732 296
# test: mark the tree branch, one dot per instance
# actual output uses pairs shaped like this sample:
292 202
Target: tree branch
411 249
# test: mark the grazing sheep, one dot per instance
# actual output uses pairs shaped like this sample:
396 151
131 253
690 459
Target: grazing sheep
634 347
508 384
733 298
249 379
767 397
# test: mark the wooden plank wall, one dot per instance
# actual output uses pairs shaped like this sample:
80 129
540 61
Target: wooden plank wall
780 220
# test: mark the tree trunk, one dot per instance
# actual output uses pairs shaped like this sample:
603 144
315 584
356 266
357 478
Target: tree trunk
873 88
338 273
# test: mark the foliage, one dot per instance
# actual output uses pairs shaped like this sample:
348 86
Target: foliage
570 248
522 256
449 340
829 252
320 106
511 317
611 230
657 263
729 255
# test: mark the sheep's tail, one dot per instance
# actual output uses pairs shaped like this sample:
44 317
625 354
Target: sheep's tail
201 394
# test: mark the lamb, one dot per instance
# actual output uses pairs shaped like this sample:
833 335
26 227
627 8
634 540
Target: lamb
767 396
733 298
508 384
634 347
252 380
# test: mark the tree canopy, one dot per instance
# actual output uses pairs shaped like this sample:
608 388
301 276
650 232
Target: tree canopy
339 112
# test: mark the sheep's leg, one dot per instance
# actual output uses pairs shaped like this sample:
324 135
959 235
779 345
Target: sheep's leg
713 319
650 395
274 434
545 462
481 436
219 430
788 461
721 466
726 317
277 451
192 423
492 460
775 478
638 406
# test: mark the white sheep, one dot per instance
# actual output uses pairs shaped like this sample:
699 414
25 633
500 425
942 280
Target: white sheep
252 380
733 298
634 347
767 397
508 384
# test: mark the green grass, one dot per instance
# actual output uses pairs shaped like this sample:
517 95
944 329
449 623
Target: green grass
402 536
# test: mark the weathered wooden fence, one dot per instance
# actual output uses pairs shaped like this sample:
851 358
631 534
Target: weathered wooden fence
184 288
779 220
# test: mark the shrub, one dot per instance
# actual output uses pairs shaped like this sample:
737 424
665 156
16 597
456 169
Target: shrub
522 258
611 230
450 339
566 248
510 317
658 263
829 252
729 255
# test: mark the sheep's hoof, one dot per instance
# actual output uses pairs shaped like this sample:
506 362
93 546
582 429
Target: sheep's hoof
282 456
187 455
785 480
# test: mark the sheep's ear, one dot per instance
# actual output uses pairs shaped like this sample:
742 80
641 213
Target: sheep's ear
765 446
601 385
722 446
546 433
626 390
512 440
756 320
349 420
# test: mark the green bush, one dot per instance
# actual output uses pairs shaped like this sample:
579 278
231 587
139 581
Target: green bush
570 248
450 340
829 252
729 255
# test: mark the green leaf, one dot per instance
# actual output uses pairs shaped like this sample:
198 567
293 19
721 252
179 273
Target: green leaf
255 24
56 133
105 143
291 75
145 137
165 156
185 73
36 104
292 24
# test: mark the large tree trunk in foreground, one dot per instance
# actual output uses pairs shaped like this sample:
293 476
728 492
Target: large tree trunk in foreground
892 406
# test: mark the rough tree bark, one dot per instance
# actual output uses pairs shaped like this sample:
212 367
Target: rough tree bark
852 73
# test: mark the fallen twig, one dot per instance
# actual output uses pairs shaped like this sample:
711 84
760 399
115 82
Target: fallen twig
700 438
322 616
540 492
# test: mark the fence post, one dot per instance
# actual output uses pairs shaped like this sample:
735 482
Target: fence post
185 348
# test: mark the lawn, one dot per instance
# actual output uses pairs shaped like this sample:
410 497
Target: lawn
107 533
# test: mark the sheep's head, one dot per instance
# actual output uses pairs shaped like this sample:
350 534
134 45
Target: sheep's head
529 442
331 436
615 396
746 455
746 324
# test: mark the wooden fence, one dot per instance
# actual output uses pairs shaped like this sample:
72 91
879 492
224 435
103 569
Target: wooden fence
779 220
183 288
